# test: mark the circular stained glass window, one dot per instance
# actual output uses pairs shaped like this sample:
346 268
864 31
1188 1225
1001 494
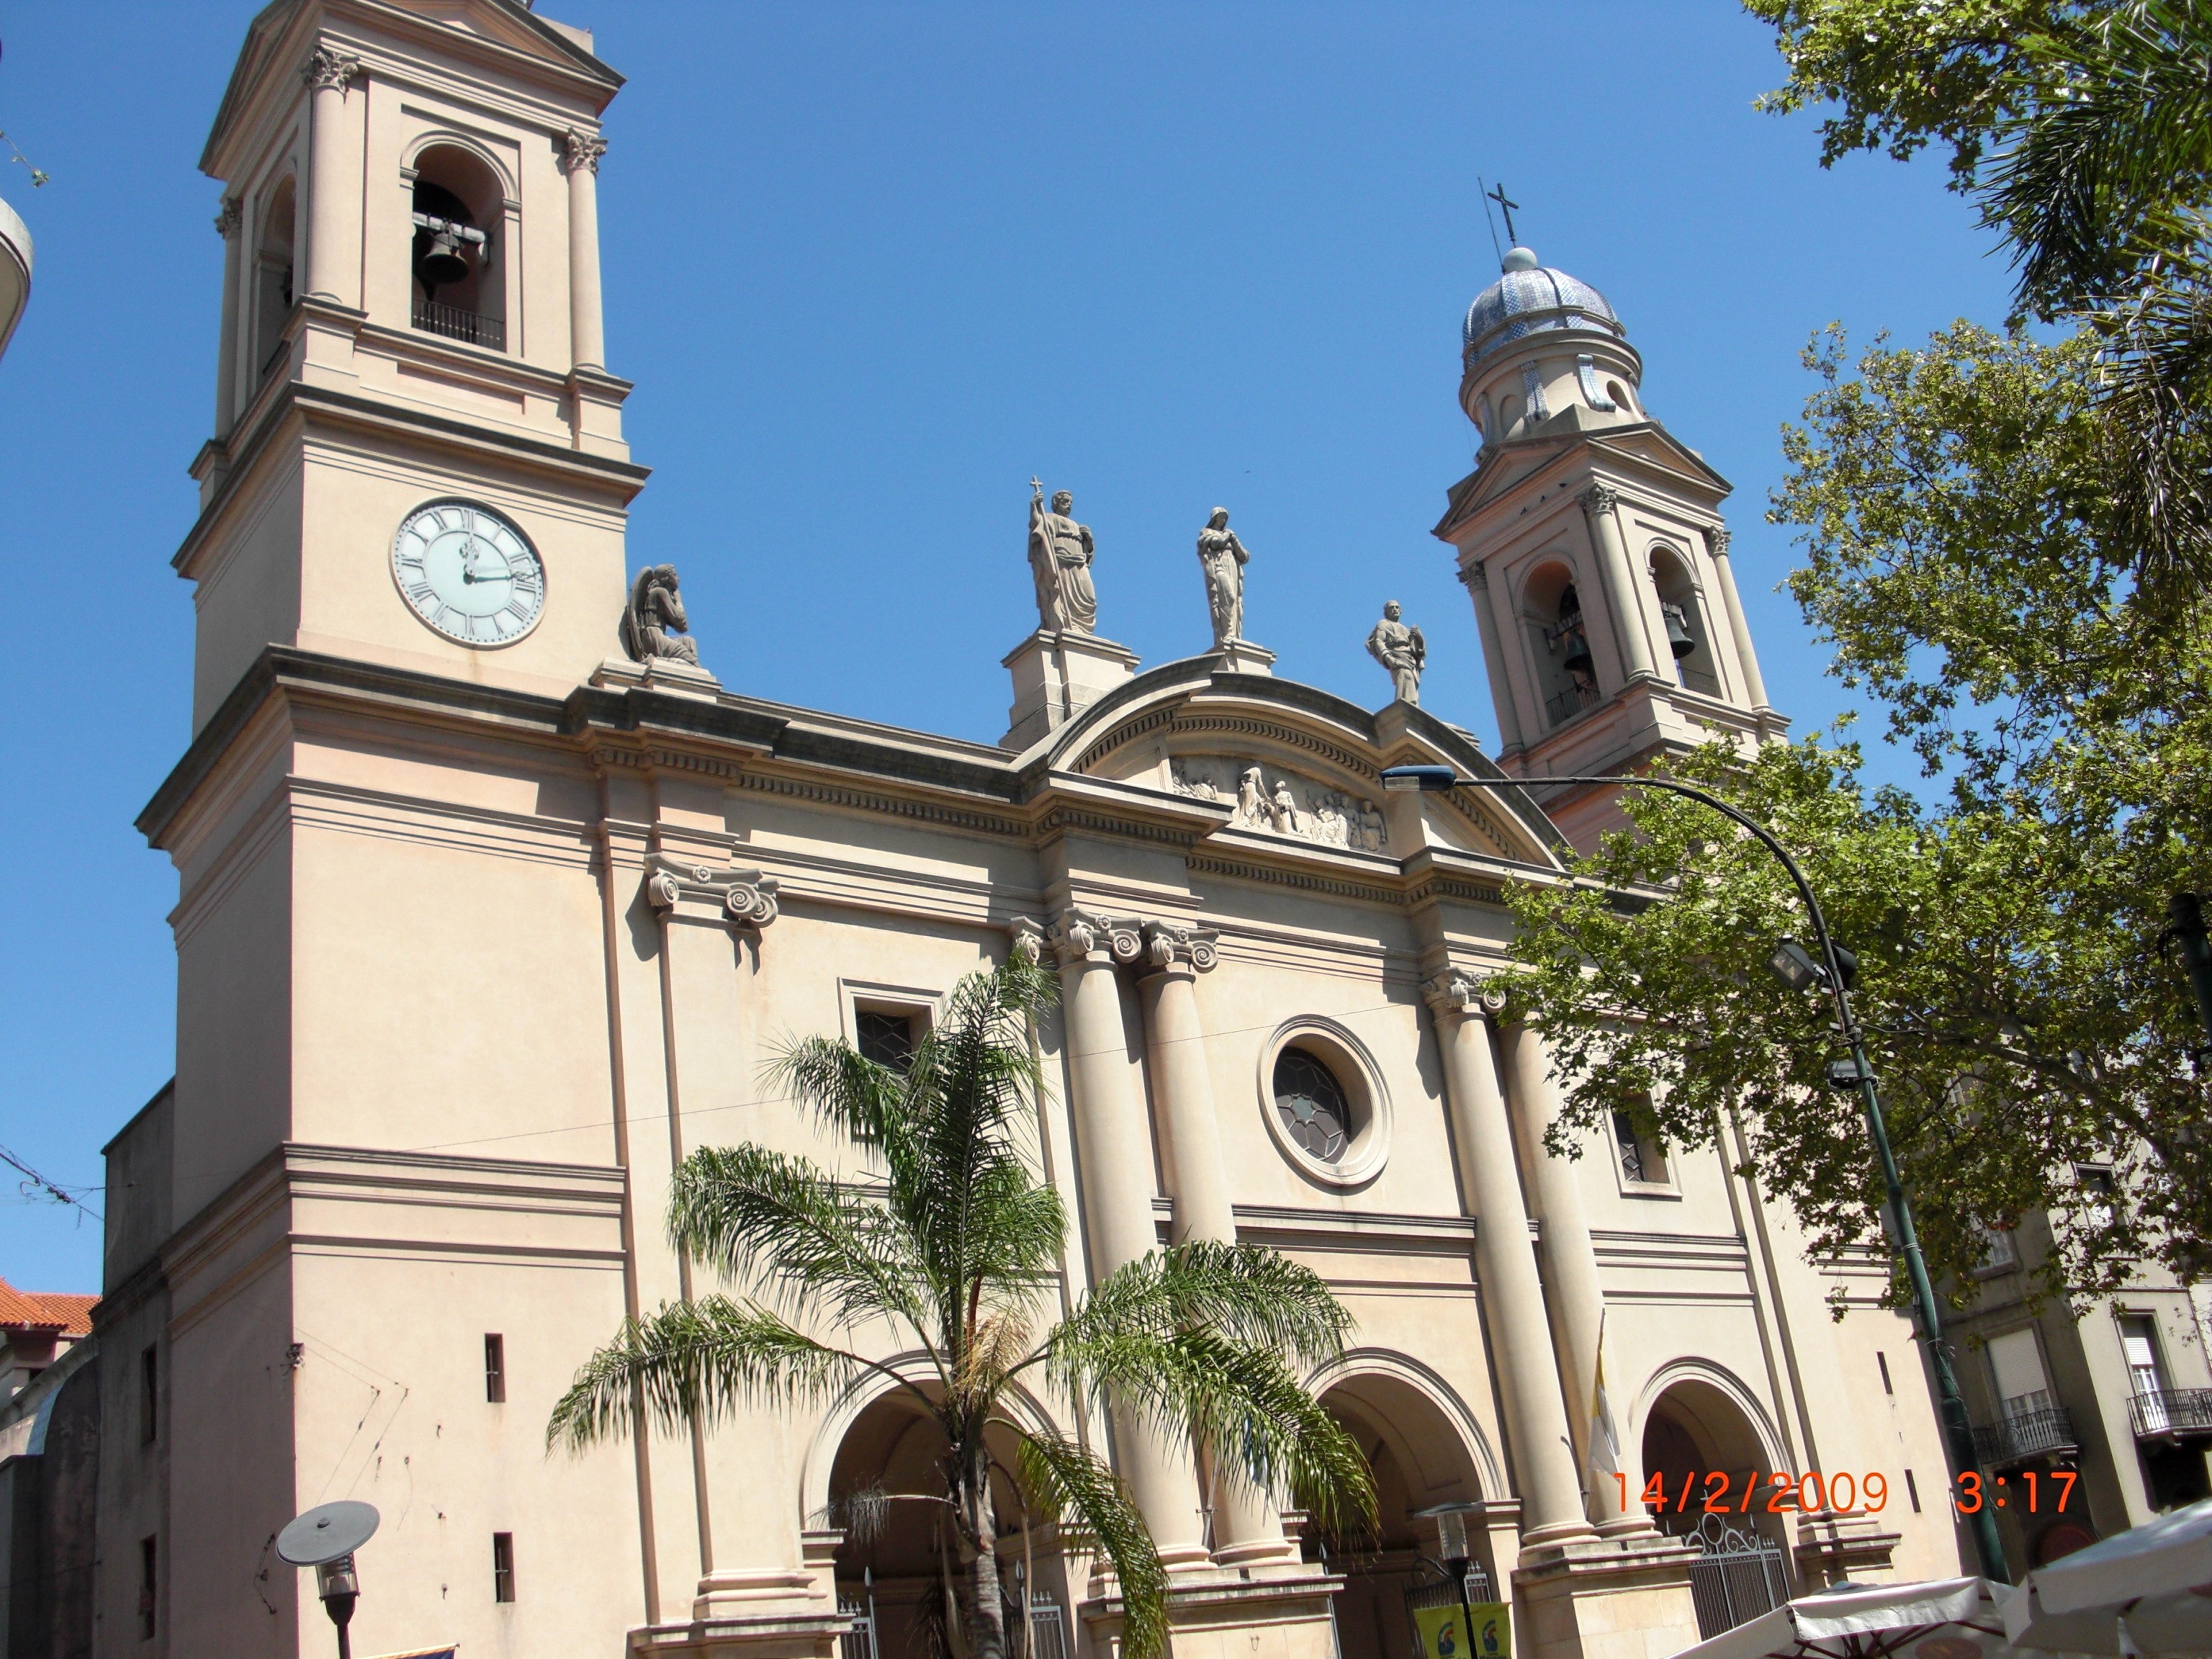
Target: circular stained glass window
1312 1106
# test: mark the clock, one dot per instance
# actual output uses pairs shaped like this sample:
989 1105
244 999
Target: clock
469 572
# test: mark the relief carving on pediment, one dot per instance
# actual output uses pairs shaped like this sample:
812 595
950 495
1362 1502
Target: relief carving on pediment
1274 802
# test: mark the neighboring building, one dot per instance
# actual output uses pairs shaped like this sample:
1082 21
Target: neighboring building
37 1329
14 272
483 920
2120 1397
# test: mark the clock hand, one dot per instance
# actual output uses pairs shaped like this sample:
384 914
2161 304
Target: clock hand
468 570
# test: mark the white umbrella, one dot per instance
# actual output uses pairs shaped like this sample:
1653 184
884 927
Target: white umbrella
1937 1619
2157 1577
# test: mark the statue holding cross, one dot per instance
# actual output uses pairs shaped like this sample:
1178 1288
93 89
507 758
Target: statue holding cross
1061 552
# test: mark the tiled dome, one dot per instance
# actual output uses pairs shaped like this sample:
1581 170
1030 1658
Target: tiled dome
1533 299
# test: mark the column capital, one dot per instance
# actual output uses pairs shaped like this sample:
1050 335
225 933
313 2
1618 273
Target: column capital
1169 949
581 150
1081 936
1476 576
746 897
230 217
1599 498
1717 539
1026 938
1458 994
330 71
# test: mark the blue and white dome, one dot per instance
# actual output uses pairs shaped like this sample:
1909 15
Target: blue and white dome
1533 299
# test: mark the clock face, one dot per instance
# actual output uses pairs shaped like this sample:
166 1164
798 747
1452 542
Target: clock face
469 572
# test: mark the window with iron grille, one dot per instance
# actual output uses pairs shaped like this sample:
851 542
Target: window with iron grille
502 1566
495 1367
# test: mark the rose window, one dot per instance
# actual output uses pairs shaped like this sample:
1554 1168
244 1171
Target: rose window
1311 1105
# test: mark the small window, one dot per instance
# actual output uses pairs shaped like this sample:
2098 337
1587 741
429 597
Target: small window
1998 1255
2098 1190
1882 1360
147 1584
494 1368
502 1566
1642 1154
885 1037
1312 1104
149 1396
1912 1490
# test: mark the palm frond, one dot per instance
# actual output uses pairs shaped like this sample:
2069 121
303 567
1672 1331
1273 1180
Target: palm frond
695 1362
1062 1479
1244 1292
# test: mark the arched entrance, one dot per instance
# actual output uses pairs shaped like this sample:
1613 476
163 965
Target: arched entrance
1422 1461
1709 1458
897 1562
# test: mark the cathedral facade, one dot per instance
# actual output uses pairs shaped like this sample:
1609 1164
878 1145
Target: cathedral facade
494 899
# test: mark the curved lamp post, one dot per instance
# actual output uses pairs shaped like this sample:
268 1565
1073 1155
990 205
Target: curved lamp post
1828 967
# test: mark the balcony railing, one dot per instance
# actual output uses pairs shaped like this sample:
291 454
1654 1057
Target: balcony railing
454 324
2047 1432
2176 1412
1567 704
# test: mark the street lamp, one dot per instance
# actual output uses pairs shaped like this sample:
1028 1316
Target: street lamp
1830 968
1451 1543
324 1538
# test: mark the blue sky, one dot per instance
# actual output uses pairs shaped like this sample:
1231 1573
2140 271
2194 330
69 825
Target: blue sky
873 266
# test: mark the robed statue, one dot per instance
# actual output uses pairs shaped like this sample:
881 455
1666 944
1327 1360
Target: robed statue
1061 552
1221 559
654 627
1402 650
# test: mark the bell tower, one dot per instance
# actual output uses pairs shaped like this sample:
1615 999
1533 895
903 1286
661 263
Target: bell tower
1593 549
417 457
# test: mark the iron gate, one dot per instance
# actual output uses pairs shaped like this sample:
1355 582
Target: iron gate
1736 1577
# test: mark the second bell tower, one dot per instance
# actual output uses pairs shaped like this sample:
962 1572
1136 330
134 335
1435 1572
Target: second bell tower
1592 546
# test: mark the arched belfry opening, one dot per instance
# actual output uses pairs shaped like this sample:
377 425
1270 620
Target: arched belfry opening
1714 1483
1566 672
455 263
1426 1485
272 285
1689 634
897 1563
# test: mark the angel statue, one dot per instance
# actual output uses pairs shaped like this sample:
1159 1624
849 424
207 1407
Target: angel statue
1222 559
1402 650
1061 552
653 626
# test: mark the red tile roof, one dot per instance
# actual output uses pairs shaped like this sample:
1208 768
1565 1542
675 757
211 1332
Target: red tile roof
38 1311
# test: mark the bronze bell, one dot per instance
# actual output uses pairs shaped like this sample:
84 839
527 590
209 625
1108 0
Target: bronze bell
443 260
1678 631
1578 661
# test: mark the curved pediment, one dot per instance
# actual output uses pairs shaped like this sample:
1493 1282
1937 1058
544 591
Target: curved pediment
1293 763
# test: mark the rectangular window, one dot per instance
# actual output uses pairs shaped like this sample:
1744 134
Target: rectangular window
150 1379
1882 1360
1998 1255
2016 1363
1912 1490
2139 1343
146 1588
495 1367
1643 1157
886 1038
502 1566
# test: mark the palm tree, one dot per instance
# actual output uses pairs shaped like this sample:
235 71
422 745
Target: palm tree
954 1245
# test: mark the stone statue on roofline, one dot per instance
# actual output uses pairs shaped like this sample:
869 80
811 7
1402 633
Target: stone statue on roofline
1060 555
1401 650
1221 559
653 626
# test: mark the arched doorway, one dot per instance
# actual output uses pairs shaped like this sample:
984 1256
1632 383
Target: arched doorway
898 1561
1709 1459
1422 1462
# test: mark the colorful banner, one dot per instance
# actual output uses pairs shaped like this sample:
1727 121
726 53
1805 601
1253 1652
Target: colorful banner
1443 1632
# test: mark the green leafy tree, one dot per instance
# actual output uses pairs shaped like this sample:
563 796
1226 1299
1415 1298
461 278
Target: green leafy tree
953 1244
2023 1021
2084 130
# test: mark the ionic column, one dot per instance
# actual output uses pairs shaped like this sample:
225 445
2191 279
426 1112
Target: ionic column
327 75
1512 1296
1245 1526
1116 1165
1477 578
227 225
1622 600
1754 686
580 152
1577 1298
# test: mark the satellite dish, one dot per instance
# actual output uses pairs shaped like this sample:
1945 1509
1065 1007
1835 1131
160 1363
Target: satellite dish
328 1532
